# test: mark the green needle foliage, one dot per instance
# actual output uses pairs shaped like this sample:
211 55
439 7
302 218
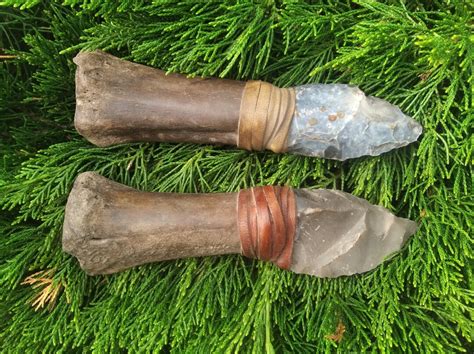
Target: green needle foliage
417 54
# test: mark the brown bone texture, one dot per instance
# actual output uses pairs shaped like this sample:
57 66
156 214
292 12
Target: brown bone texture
118 101
110 227
267 224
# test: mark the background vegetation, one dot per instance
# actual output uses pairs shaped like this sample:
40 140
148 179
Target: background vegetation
416 54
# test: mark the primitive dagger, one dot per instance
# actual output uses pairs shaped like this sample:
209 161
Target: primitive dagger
110 227
118 101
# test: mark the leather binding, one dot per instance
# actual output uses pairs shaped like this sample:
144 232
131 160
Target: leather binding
267 223
265 116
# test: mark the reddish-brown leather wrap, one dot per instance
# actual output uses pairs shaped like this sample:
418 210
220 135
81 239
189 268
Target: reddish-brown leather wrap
267 223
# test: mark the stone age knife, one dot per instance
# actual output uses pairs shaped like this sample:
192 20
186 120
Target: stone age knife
118 101
327 233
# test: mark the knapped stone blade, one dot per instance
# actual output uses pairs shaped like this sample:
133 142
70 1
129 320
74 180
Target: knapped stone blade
340 234
340 122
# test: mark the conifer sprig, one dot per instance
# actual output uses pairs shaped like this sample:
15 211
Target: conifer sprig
416 54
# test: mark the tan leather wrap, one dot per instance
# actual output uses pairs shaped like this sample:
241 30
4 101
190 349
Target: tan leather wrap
265 116
267 223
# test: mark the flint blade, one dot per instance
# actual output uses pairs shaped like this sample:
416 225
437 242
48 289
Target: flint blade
340 234
340 122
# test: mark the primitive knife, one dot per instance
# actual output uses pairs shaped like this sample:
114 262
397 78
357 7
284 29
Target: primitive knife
118 101
110 227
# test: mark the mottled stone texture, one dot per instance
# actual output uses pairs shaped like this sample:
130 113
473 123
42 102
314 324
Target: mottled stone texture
340 122
339 234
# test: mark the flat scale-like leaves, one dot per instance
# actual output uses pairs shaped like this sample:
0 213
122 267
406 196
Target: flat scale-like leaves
415 54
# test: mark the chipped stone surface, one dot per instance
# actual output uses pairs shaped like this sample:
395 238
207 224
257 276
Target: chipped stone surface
340 122
339 234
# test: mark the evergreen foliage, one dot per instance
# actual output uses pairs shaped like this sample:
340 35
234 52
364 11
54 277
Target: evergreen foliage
417 54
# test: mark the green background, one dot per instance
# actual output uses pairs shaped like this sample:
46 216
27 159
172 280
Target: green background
416 54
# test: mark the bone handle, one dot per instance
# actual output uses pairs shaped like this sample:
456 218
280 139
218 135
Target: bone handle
110 227
119 101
